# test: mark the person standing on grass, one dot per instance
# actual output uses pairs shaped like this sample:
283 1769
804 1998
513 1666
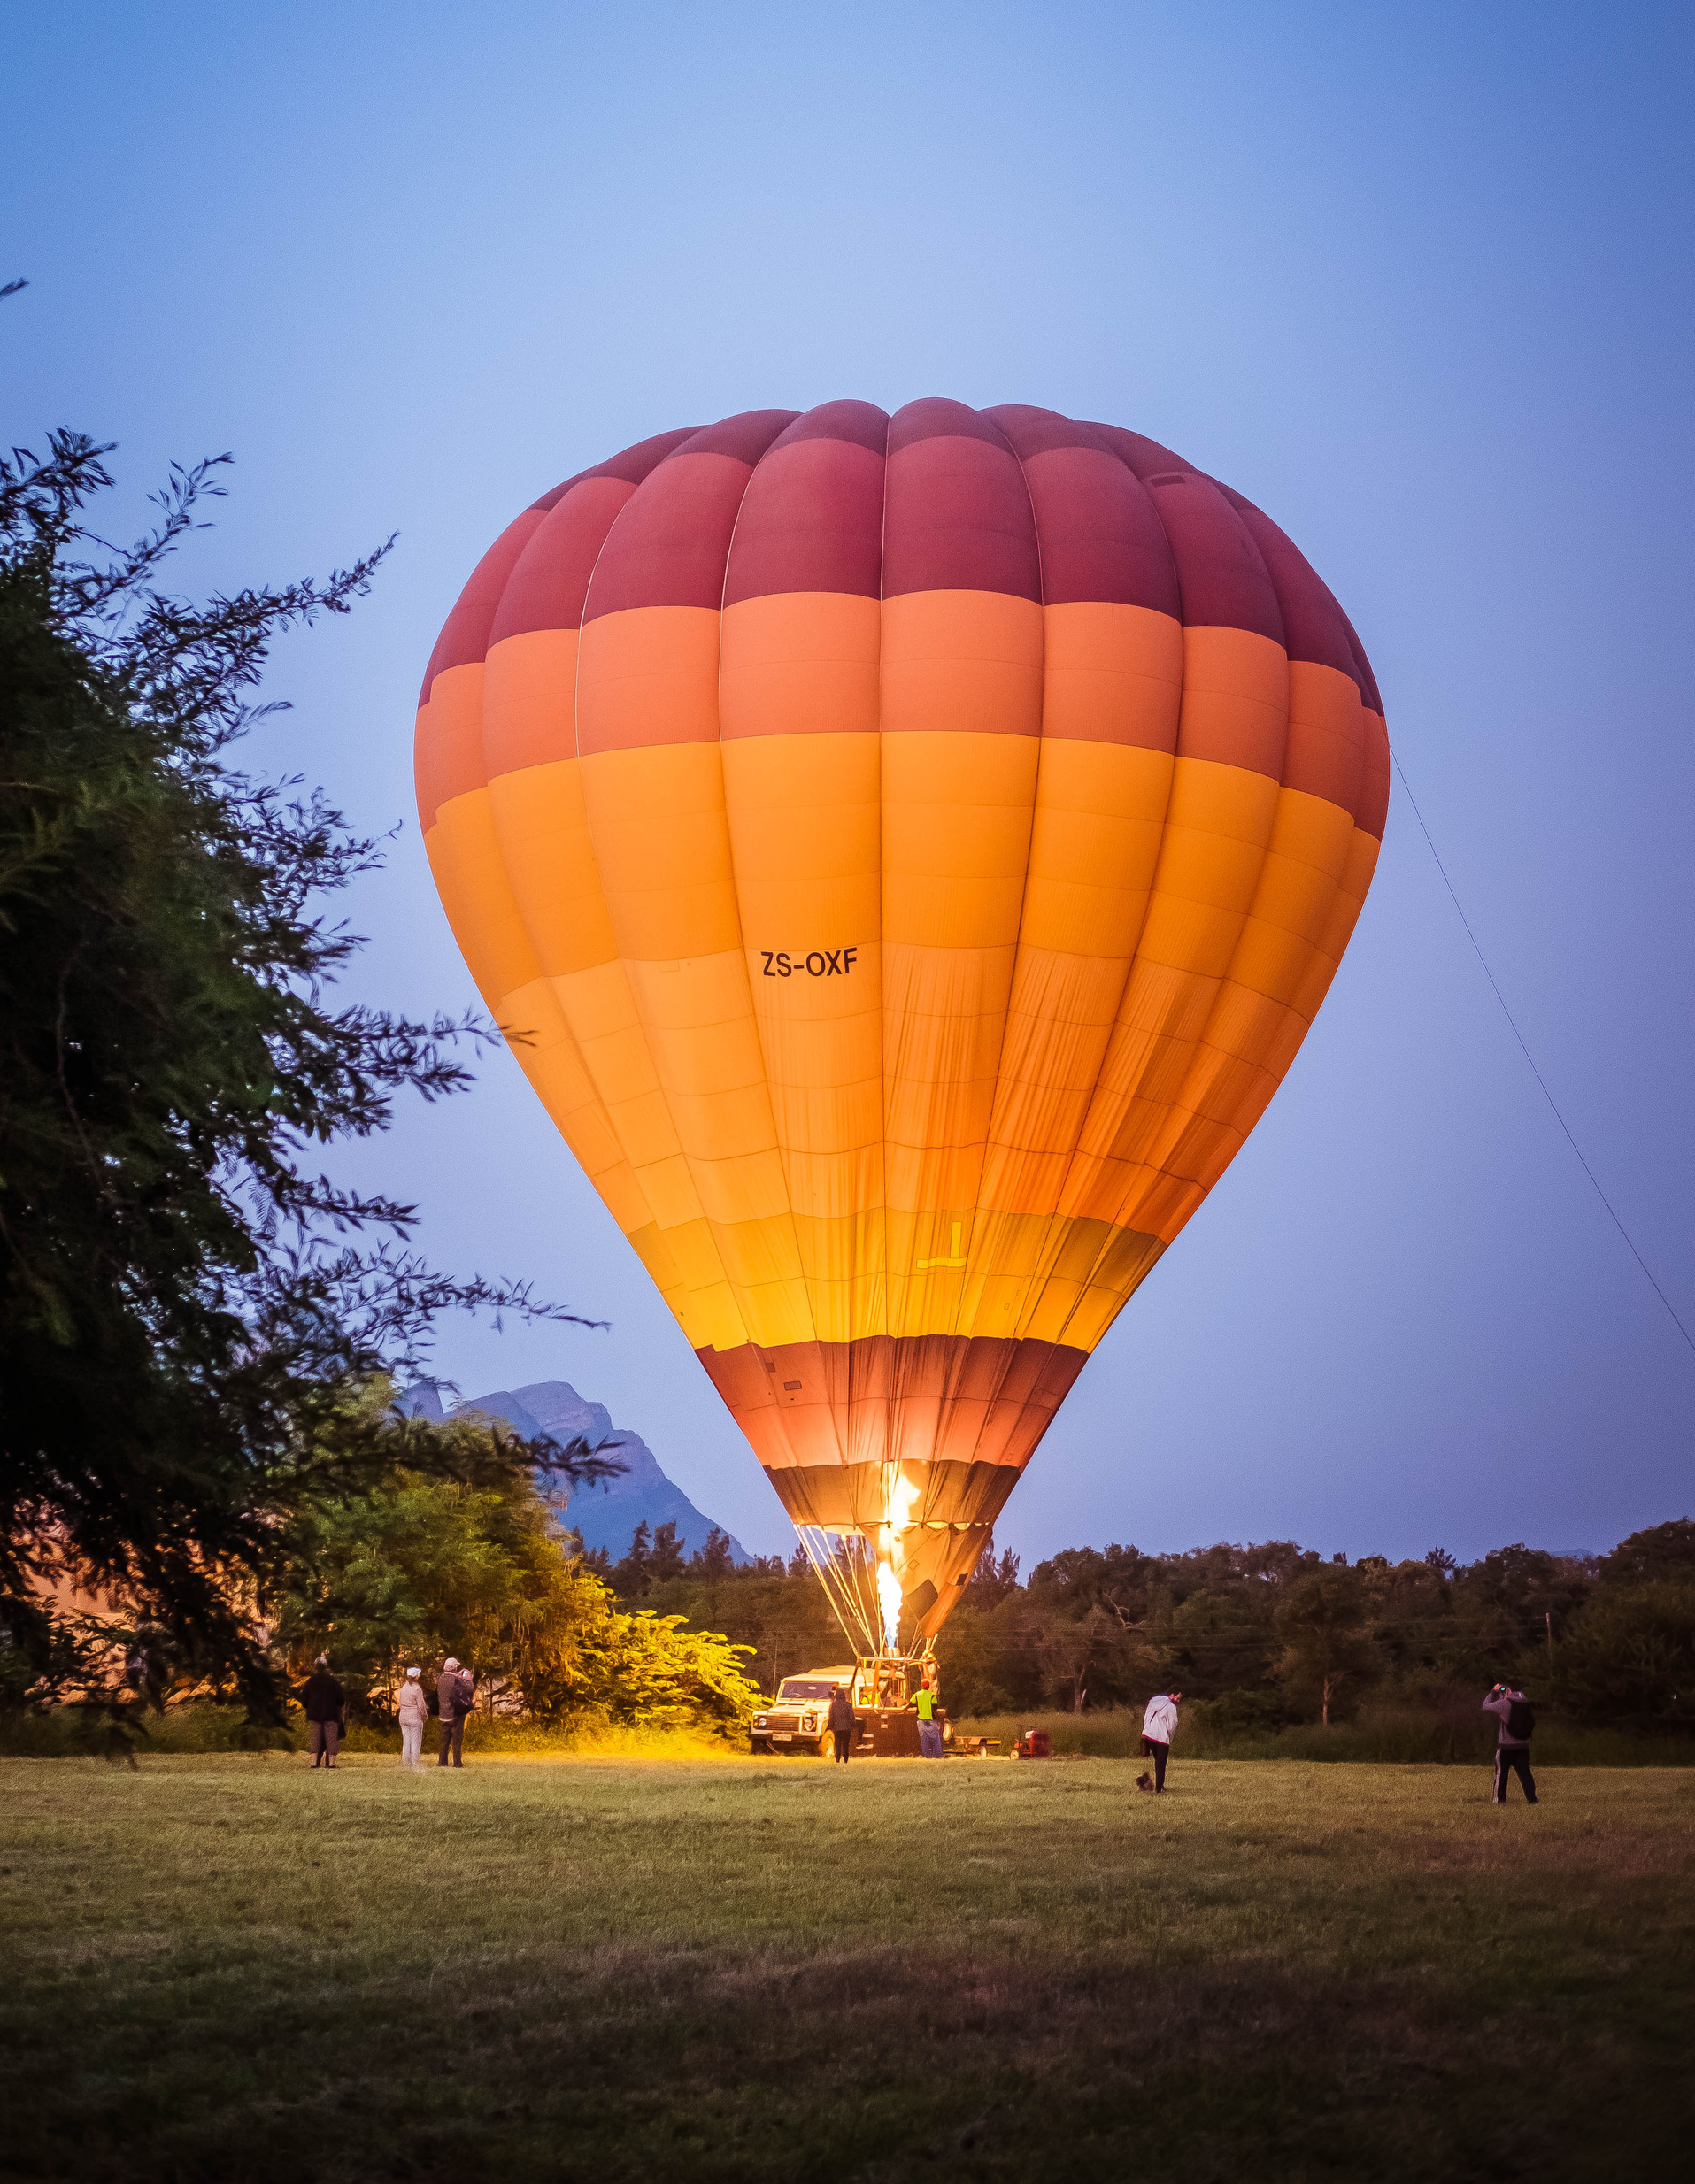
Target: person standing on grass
1159 1726
929 1729
326 1705
413 1710
839 1722
453 1694
1516 1718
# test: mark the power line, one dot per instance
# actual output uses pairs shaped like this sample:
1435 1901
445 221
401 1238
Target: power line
1552 1104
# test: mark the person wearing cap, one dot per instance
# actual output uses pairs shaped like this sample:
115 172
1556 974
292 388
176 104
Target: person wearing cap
1159 1726
453 1689
324 1701
929 1729
413 1710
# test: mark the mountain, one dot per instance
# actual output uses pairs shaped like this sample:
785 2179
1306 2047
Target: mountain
606 1514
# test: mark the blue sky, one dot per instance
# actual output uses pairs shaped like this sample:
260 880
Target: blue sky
1418 281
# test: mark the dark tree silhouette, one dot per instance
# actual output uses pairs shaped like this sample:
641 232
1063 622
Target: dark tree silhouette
191 1316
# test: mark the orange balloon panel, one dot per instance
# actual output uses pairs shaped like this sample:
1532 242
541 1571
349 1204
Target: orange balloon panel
905 854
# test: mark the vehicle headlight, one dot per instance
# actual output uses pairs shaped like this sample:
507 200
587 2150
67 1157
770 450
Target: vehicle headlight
758 1722
809 1721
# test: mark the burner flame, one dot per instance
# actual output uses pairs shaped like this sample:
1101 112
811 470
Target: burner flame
889 1594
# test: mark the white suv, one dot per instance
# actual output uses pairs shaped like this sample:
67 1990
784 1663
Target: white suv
797 1719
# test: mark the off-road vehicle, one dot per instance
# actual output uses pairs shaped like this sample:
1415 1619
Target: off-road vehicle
796 1720
884 1724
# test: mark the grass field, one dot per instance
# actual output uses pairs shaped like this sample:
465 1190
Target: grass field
232 1970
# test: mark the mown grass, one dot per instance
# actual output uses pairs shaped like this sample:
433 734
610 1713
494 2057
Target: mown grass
1392 1735
232 1970
199 1728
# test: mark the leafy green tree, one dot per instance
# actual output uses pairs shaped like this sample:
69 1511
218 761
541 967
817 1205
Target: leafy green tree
1322 1623
655 1672
187 1311
422 1566
783 1618
1218 1642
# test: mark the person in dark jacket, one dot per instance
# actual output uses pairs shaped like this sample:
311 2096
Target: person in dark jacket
453 1691
326 1705
1512 1710
839 1721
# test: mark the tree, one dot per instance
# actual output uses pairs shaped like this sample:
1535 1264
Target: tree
631 1575
422 1563
1628 1659
188 1313
1218 1641
991 1581
667 1559
420 1566
1515 1597
1411 1617
784 1618
1663 1552
713 1559
1069 1647
1321 1623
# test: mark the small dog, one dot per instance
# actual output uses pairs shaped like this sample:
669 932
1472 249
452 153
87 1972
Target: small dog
1144 1781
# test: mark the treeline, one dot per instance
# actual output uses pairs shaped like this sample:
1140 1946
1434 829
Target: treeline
1264 1635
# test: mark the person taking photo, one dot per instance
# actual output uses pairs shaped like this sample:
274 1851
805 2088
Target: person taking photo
1516 1719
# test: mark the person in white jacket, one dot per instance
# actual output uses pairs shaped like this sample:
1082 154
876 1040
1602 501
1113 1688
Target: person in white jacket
413 1710
1159 1726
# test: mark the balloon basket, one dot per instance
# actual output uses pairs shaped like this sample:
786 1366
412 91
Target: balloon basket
887 1680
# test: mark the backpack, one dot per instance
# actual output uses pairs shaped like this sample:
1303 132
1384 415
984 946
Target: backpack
1521 1720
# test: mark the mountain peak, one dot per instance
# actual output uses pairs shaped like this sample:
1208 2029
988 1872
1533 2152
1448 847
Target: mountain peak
608 1512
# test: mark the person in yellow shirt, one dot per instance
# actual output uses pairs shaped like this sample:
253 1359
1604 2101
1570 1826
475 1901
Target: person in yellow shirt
929 1729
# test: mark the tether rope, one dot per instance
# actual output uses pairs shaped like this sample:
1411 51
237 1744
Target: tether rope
1541 1082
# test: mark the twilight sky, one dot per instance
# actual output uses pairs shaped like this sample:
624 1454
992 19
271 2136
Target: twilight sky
1417 281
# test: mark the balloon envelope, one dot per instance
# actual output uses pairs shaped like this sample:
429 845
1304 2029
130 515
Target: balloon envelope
906 855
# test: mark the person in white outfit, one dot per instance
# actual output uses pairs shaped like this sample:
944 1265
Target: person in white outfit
1159 1726
414 1712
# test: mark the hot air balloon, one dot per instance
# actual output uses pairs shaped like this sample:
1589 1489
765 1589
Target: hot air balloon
905 854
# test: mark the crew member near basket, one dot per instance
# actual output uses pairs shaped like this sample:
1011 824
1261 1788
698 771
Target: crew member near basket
929 1729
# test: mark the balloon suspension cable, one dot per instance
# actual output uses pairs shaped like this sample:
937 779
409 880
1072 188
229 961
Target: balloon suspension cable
861 1590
